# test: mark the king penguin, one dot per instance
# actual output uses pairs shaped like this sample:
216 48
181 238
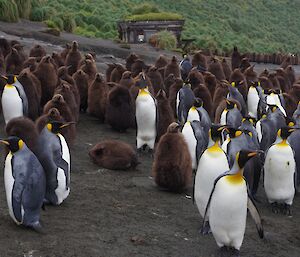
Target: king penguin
146 119
280 172
14 99
54 155
184 101
234 93
231 116
25 184
227 206
212 164
255 94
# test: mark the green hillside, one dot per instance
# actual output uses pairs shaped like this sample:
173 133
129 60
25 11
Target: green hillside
253 25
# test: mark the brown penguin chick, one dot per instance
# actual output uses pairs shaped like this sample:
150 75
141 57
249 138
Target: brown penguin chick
290 74
199 61
240 81
127 80
155 78
65 90
30 63
168 82
47 75
30 85
283 83
87 56
220 93
119 109
235 59
161 62
165 113
5 47
2 64
272 77
173 94
52 115
226 69
73 58
81 82
265 83
250 75
114 155
14 42
195 78
13 62
286 62
37 51
97 96
264 73
172 67
216 68
130 60
60 104
25 129
290 104
65 52
58 60
202 92
137 67
116 73
172 166
63 74
210 82
221 106
244 64
295 92
110 68
20 49
89 67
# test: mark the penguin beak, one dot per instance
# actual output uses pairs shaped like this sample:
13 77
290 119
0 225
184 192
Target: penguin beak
4 77
67 124
292 130
251 154
221 128
4 142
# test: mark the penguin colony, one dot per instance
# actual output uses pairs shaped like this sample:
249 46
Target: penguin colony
199 116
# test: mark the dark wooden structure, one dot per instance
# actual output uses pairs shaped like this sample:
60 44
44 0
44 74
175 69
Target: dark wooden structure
141 31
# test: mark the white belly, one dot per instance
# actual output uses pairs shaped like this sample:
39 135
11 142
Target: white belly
191 141
62 192
274 99
211 165
259 131
193 115
228 213
146 121
252 102
9 183
12 105
223 117
225 144
279 169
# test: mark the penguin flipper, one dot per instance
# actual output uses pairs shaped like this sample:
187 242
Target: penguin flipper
255 215
205 218
16 202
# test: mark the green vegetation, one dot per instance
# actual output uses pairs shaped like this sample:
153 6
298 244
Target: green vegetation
252 25
161 16
163 40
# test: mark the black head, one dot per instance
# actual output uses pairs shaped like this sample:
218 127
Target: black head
11 79
216 132
56 126
13 143
230 105
243 156
272 107
233 132
198 102
249 119
285 132
142 83
289 121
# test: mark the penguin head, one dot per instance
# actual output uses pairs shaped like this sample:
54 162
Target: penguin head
198 102
249 119
215 132
272 107
289 121
56 126
230 104
285 132
174 127
13 143
233 132
243 156
142 81
11 79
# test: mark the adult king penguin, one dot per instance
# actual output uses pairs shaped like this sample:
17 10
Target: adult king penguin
146 118
212 164
280 172
14 99
25 184
231 116
54 155
227 206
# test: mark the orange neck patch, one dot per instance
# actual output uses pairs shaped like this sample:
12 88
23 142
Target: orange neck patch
236 178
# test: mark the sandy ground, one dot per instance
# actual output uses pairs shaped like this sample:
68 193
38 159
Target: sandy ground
122 213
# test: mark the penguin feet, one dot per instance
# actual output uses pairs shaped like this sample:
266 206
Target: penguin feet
205 230
223 251
287 210
234 252
275 208
37 227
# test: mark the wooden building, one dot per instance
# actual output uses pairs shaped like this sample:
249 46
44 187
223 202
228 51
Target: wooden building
141 31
